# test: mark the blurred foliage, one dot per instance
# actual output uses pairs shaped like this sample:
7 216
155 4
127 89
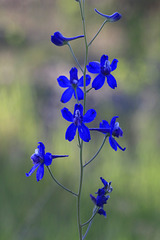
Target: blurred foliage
30 112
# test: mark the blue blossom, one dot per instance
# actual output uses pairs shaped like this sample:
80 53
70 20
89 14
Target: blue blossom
59 40
103 69
110 18
111 130
73 85
106 189
101 199
40 158
78 121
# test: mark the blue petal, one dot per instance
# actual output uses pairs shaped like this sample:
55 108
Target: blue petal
111 81
41 148
40 172
63 82
67 114
48 159
32 170
73 74
71 132
58 39
105 183
113 121
102 212
123 149
78 107
93 199
104 124
84 133
103 59
101 199
98 82
89 116
93 67
35 158
101 191
113 65
67 95
113 143
81 83
80 93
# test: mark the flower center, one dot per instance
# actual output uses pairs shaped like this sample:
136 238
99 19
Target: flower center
36 158
106 69
117 131
77 118
74 82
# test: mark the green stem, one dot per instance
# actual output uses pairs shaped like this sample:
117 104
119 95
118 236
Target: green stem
82 7
75 89
97 33
80 189
96 152
93 215
68 190
76 60
89 90
90 222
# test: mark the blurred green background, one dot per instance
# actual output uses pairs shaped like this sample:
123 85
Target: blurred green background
30 112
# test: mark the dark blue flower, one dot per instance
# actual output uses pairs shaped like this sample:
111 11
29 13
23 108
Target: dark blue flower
40 158
111 130
106 189
104 69
78 121
73 85
110 18
101 199
59 40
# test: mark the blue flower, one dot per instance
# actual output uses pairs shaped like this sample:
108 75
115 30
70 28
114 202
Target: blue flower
73 85
101 199
40 158
111 130
104 69
106 189
78 121
59 40
110 18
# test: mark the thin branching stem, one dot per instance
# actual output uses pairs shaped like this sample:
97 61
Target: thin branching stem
66 189
96 152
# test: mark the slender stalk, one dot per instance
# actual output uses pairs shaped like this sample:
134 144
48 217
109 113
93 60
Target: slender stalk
93 215
82 7
68 190
97 33
80 189
75 89
96 152
90 222
89 89
76 60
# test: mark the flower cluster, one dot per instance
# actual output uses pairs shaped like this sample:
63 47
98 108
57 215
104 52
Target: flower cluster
78 87
101 198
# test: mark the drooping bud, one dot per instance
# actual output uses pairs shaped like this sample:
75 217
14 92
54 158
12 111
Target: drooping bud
110 18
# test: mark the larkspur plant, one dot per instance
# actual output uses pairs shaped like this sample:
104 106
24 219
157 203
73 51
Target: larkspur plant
77 87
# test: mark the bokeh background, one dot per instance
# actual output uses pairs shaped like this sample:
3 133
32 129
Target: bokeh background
30 112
